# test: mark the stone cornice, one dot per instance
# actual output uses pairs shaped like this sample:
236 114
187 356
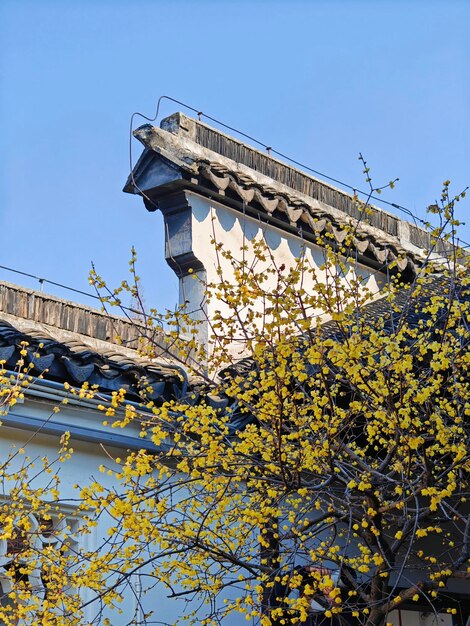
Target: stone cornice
173 160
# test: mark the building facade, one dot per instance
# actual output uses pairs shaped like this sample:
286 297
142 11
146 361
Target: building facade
214 192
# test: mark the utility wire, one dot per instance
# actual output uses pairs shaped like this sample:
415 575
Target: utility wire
50 282
68 288
271 150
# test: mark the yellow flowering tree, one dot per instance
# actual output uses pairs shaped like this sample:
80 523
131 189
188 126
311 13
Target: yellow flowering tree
328 463
318 460
37 542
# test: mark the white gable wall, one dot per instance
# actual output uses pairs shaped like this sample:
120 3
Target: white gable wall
212 221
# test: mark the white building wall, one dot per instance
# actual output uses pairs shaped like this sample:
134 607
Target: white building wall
81 469
235 231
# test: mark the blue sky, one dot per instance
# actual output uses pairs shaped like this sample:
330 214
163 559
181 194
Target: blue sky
319 81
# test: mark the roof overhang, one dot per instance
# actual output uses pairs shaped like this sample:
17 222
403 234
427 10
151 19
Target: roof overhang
173 161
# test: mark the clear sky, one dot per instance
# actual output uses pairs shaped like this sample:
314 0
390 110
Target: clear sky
319 81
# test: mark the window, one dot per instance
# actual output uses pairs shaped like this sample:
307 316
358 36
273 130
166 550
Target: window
33 561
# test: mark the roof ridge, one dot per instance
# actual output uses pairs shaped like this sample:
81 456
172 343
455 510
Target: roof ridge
221 143
52 311
203 168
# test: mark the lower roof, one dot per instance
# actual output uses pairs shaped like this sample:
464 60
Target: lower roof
68 342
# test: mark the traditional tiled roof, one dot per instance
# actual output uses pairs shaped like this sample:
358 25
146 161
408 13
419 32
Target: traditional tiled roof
207 160
410 307
77 344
